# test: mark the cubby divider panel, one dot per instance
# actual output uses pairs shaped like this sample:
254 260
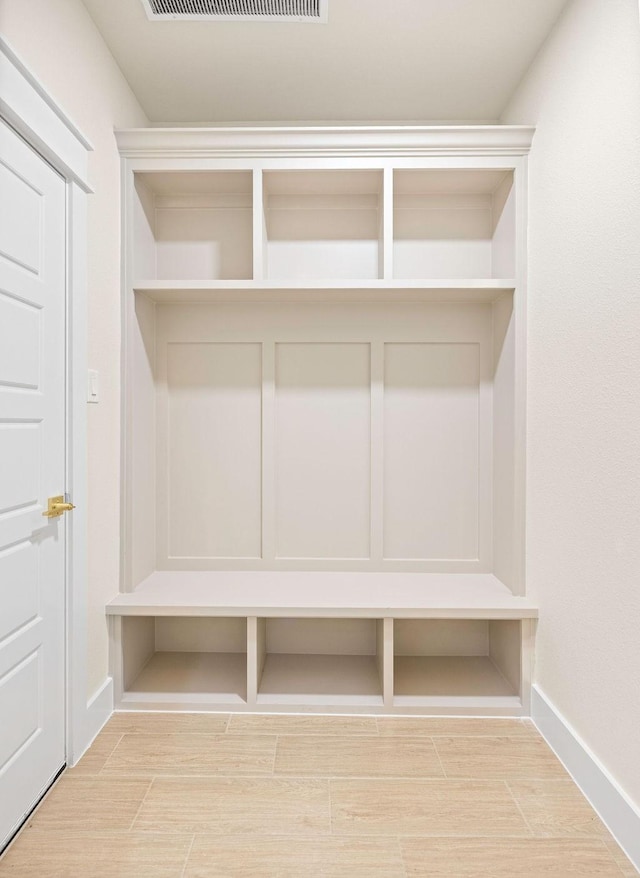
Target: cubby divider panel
189 659
211 469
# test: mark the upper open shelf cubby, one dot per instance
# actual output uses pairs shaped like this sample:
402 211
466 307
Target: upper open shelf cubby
453 223
323 224
193 225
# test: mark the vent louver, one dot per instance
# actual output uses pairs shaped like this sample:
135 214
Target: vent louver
237 10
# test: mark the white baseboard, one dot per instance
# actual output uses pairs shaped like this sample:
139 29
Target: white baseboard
99 709
610 802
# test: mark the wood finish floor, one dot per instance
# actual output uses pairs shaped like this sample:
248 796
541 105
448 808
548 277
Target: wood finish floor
212 796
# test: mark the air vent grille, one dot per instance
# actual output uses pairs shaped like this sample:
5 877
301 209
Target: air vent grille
230 10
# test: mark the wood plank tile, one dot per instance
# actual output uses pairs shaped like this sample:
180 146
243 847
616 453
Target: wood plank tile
94 759
289 857
291 724
450 727
524 857
344 756
427 807
525 757
98 855
192 754
90 803
556 809
228 806
140 723
624 863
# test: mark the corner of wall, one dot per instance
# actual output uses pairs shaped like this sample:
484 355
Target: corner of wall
613 806
99 710
507 115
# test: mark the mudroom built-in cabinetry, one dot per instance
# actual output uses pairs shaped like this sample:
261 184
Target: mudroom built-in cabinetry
324 421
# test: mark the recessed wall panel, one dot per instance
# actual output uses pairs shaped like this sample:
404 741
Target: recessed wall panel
18 587
322 461
20 227
19 465
214 450
19 699
19 344
431 460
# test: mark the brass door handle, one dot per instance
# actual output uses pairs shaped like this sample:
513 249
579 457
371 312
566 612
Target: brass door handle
56 507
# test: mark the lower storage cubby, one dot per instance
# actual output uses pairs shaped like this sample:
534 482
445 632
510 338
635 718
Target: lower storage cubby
468 653
186 660
457 663
320 662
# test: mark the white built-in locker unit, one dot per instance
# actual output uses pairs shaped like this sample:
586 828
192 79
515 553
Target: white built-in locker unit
324 421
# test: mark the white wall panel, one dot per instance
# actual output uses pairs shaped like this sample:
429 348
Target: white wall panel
191 634
327 434
583 379
441 637
323 244
321 636
323 224
323 437
214 450
204 244
431 460
442 243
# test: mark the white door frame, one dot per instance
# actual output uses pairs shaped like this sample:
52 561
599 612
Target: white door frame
28 108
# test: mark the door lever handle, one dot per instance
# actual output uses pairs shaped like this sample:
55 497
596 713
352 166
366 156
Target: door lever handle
56 507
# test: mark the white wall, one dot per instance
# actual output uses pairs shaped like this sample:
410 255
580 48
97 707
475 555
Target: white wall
583 508
61 46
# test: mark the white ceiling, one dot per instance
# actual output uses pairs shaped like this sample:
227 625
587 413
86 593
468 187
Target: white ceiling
376 60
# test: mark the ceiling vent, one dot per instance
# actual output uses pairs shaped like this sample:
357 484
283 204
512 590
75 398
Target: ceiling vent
237 10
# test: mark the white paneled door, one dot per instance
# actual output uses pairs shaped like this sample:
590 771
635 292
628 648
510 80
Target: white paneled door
32 469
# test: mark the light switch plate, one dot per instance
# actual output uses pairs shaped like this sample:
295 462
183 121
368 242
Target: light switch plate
93 391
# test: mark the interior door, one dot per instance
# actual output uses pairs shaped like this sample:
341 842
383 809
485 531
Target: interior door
32 469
